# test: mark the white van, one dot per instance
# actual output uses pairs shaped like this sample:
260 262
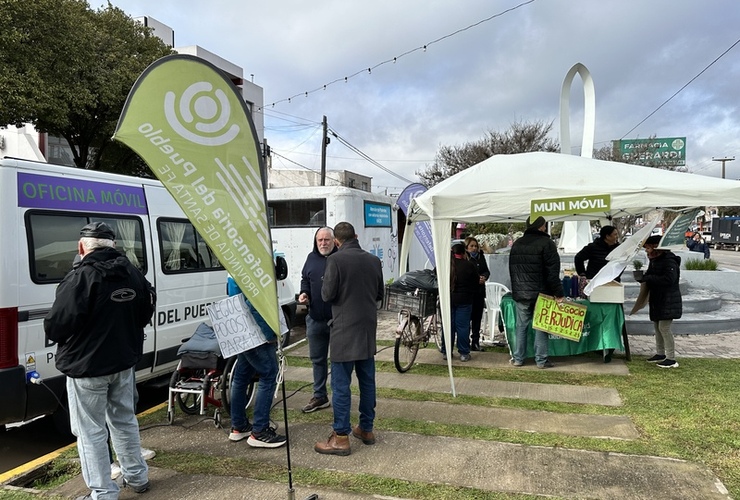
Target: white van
42 208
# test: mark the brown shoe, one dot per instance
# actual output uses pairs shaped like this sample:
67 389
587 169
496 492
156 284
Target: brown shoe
336 445
366 437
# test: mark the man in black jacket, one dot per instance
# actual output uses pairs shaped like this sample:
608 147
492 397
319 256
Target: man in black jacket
534 266
319 314
97 320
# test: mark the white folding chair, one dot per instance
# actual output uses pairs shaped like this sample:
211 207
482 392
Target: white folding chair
494 292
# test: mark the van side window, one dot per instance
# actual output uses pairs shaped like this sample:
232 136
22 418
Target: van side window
53 237
183 249
291 213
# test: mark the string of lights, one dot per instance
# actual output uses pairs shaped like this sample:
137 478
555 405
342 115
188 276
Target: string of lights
396 58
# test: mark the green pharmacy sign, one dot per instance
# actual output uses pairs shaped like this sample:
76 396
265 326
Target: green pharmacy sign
596 204
660 152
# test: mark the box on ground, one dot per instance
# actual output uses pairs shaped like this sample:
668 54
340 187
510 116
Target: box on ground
612 293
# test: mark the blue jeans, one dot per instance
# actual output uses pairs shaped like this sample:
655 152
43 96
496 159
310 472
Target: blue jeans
258 361
317 333
461 327
524 313
341 397
93 403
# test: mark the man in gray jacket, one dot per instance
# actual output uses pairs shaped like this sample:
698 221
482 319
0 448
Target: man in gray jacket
353 285
534 267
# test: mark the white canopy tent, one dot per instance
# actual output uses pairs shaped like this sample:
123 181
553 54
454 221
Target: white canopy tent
501 188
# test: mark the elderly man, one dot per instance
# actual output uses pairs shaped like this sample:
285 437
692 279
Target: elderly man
97 321
319 314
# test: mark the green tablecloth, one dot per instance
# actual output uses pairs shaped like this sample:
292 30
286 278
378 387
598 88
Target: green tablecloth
602 329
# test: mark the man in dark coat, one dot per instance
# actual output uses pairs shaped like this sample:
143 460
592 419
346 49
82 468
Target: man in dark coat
319 314
97 320
534 267
353 285
662 277
697 244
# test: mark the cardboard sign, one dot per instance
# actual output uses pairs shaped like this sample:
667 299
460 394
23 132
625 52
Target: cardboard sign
235 327
564 320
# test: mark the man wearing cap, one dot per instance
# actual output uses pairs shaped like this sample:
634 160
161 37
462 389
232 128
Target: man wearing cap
97 321
534 266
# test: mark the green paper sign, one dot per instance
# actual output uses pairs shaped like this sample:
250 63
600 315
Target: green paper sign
564 320
192 127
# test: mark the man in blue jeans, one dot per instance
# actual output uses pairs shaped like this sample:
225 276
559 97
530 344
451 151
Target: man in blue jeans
353 285
534 267
319 314
97 321
258 361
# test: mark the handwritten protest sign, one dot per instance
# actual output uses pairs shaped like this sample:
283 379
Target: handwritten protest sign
564 320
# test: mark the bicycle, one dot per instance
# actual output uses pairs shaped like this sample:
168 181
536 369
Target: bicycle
419 322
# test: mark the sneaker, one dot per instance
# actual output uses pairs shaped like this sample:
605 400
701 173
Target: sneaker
138 489
147 454
475 346
266 439
516 363
656 358
316 404
115 471
668 363
464 357
239 434
546 364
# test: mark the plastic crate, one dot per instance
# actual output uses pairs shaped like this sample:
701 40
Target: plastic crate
419 302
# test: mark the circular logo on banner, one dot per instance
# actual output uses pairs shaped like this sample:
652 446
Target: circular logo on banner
201 115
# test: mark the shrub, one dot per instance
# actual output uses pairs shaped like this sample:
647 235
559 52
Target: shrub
701 265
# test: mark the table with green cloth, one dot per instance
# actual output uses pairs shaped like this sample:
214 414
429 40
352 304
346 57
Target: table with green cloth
602 329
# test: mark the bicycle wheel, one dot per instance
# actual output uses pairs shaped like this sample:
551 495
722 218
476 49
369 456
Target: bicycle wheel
407 345
437 331
226 385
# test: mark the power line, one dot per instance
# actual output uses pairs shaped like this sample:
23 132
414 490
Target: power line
681 89
396 58
366 157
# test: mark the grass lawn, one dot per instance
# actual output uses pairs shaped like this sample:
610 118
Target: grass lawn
689 413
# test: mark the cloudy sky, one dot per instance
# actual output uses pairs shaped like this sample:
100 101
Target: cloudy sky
507 66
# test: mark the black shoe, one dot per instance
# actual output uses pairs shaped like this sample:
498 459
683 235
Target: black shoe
656 358
266 439
546 364
316 404
668 363
475 346
239 434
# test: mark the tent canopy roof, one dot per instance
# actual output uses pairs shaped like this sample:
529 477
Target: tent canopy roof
501 188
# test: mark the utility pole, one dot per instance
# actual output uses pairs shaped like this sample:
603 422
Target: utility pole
324 142
723 160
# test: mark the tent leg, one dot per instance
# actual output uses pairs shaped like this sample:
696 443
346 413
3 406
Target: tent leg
626 342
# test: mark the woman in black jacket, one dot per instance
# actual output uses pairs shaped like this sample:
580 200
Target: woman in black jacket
479 298
662 277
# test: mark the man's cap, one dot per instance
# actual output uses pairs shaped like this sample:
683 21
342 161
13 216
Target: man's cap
538 222
653 240
98 230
